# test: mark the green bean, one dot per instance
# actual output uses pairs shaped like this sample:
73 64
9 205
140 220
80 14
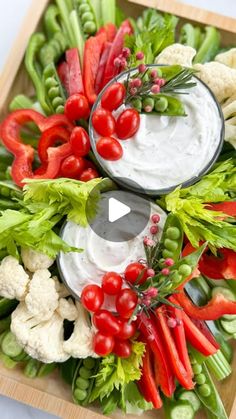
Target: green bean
46 369
31 368
51 20
36 42
209 47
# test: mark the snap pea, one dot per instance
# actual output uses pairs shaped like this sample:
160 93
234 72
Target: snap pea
191 35
35 44
161 104
86 17
54 89
172 239
84 379
205 389
53 50
67 370
46 369
51 23
32 367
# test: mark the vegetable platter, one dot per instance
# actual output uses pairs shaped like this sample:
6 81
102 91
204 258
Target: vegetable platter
153 349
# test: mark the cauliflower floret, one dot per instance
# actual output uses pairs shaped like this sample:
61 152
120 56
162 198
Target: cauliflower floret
176 54
228 58
33 260
13 279
41 340
61 288
80 344
67 309
42 299
220 78
229 110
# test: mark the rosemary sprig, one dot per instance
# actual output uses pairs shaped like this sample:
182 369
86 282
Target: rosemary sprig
180 82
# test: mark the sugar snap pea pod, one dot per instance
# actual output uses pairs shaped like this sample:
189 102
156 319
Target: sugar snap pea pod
65 16
5 324
8 204
51 21
67 370
172 238
87 17
208 394
7 306
84 379
36 42
54 90
46 369
32 367
209 47
187 35
53 50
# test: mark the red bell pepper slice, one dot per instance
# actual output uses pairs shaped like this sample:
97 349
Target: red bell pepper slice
101 68
111 71
218 306
227 208
109 30
194 335
24 154
147 384
63 73
180 339
92 54
49 138
201 325
75 74
152 336
183 376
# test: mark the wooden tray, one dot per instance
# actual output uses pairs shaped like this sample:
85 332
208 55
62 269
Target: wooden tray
51 394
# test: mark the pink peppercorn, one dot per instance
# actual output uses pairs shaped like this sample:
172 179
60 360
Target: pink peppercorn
153 74
165 271
140 55
150 273
148 109
142 68
162 82
137 82
155 218
133 91
153 230
169 262
126 52
155 89
171 322
117 62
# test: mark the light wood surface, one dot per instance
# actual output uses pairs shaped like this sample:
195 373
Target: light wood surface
51 394
191 12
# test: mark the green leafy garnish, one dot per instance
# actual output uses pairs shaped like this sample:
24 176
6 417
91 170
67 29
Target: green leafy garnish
116 373
198 221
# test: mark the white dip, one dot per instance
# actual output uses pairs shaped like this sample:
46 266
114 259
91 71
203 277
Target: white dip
100 256
167 151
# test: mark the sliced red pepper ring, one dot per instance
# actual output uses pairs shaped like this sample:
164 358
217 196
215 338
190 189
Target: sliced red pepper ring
218 306
49 138
183 376
24 154
152 337
147 384
194 335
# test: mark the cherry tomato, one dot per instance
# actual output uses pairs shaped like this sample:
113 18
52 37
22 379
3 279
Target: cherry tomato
136 273
109 148
122 348
104 122
88 174
126 302
92 297
102 344
113 96
127 124
72 167
80 142
77 107
111 283
127 330
106 323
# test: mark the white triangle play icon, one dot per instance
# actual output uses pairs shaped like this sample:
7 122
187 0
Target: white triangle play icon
117 210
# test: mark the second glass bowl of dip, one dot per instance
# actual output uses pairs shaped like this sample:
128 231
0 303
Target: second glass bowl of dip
167 151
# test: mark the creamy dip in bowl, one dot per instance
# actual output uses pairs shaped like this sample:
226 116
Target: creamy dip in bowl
168 151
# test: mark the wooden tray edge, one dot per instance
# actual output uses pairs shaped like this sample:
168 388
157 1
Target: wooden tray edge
191 12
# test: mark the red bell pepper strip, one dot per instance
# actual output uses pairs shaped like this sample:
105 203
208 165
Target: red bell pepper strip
194 336
147 384
92 54
24 154
101 68
180 339
151 334
218 306
183 376
228 208
109 30
63 73
75 73
49 138
201 325
111 71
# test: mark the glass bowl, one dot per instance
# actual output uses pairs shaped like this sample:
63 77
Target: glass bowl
127 180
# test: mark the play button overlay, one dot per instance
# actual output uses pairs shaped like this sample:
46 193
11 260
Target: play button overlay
120 215
117 210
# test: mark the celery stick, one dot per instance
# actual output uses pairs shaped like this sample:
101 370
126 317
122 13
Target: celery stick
218 365
65 15
108 11
78 35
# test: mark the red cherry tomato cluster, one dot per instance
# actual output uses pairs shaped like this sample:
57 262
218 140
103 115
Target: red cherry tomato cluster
76 166
114 329
106 125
